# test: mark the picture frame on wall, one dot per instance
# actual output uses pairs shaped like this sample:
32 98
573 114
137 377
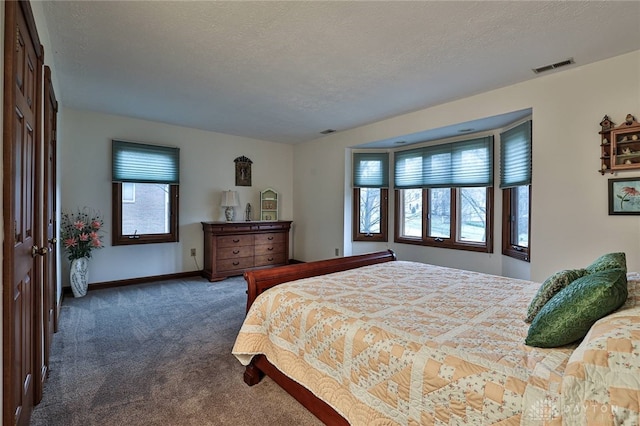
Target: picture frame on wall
624 196
243 171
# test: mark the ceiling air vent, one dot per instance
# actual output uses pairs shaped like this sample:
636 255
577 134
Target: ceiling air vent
326 132
554 66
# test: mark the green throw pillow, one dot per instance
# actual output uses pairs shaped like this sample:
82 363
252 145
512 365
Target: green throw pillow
608 261
550 287
569 315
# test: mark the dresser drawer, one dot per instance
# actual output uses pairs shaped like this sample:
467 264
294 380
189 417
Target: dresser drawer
234 252
234 240
235 264
265 249
270 238
270 259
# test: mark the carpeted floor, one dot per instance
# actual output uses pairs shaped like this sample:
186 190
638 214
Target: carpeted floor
157 354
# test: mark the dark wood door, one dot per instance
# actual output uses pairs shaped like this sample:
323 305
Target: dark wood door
22 87
48 312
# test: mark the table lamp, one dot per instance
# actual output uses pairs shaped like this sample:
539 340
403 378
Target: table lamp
229 201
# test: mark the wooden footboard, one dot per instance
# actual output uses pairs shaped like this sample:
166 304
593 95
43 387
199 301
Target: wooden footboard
260 280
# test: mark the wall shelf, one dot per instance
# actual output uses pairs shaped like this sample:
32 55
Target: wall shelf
619 146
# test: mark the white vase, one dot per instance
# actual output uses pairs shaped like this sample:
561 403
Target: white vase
79 274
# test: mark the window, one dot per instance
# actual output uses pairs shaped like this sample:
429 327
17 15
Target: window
468 228
370 196
145 193
515 182
444 195
128 192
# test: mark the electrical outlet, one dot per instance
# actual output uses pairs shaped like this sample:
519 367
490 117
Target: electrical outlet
337 251
193 252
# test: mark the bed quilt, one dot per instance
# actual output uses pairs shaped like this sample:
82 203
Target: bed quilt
409 343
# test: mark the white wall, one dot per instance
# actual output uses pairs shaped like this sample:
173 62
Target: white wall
570 222
206 169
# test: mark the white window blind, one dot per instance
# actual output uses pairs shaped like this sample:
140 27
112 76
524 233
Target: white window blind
458 164
136 162
370 170
515 156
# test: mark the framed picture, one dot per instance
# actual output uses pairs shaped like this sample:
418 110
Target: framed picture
624 196
243 171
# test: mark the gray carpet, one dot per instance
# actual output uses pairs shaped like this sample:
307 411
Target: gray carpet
157 354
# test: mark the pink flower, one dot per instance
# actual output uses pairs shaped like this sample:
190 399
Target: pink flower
80 232
627 191
630 190
70 242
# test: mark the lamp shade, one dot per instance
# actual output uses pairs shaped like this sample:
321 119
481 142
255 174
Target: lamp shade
229 199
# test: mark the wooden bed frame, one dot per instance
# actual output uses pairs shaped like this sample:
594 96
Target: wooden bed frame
261 280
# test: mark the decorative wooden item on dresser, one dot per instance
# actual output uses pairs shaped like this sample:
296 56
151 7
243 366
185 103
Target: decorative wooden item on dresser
619 146
230 248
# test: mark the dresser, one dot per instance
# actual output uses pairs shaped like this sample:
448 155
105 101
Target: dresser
230 248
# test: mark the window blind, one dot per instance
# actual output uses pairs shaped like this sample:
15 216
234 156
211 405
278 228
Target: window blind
515 156
136 162
458 164
371 170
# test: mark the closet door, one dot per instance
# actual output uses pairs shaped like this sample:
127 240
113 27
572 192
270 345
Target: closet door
21 253
48 310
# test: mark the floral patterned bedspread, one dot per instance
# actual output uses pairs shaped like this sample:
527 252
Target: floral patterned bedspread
409 343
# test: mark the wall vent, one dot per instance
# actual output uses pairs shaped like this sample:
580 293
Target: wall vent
554 66
326 132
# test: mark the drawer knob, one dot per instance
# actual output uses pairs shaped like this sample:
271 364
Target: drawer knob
270 259
269 238
270 248
236 263
236 241
236 251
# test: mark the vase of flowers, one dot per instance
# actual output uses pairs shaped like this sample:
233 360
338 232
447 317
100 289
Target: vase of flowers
81 232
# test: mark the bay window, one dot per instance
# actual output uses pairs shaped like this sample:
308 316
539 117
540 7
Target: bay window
444 195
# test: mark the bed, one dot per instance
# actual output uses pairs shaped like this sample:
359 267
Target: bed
370 339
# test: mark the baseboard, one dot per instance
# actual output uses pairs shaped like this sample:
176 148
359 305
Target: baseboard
132 281
143 280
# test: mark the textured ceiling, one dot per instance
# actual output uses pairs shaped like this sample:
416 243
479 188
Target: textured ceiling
284 71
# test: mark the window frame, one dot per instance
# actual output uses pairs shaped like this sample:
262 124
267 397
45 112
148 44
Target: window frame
118 238
453 241
516 169
510 249
141 163
376 178
443 165
381 236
